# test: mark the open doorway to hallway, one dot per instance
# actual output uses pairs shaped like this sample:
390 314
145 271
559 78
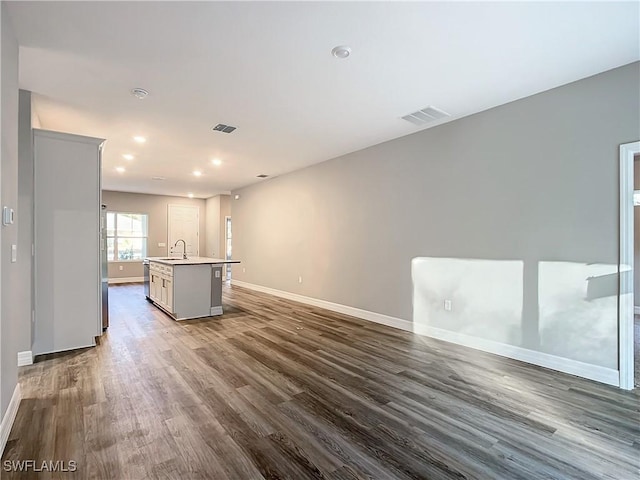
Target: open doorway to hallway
636 273
227 246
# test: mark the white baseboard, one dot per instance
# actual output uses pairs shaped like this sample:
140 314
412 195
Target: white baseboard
9 417
334 307
636 310
25 358
126 280
605 375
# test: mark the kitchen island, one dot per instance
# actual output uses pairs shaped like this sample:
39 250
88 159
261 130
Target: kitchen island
187 288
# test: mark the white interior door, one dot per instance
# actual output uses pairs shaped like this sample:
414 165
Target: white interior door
184 224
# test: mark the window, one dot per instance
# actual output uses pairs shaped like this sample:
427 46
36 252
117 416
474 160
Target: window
126 236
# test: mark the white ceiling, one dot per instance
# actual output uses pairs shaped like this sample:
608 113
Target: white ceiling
266 68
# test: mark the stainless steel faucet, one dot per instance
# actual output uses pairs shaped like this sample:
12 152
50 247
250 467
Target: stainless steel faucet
184 250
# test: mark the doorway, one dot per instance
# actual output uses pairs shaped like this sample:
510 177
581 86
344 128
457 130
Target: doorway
625 268
227 246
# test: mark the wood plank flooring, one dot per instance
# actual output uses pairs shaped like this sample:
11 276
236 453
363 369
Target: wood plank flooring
275 389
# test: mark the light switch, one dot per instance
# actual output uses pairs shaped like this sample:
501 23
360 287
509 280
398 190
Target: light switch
162 244
217 273
14 253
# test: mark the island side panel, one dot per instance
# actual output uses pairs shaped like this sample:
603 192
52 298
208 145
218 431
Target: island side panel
216 289
191 291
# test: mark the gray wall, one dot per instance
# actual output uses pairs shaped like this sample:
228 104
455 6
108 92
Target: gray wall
225 211
212 240
11 325
534 181
156 206
218 208
25 223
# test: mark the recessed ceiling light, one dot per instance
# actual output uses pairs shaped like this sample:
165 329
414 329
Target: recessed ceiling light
197 173
190 195
127 156
341 51
139 139
120 169
139 93
217 162
237 197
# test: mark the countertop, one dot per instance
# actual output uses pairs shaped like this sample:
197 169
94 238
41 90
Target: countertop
191 261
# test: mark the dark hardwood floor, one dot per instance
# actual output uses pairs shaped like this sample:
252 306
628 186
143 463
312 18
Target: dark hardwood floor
275 389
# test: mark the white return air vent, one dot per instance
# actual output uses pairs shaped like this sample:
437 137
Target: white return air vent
426 115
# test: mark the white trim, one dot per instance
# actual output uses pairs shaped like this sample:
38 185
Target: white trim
126 280
334 307
561 364
9 417
625 266
25 358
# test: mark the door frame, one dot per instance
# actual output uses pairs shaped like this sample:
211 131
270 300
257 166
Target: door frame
625 266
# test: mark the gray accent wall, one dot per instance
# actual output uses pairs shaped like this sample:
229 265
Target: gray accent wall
12 325
212 240
25 223
533 182
218 208
156 206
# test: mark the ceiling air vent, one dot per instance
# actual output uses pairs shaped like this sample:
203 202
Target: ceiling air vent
223 128
426 115
262 175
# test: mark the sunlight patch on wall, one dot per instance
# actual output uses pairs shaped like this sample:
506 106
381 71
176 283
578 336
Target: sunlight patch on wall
578 311
485 297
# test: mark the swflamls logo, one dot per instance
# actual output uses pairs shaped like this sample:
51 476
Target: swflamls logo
43 466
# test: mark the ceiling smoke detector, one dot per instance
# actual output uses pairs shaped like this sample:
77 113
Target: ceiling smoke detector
139 93
426 115
223 128
341 51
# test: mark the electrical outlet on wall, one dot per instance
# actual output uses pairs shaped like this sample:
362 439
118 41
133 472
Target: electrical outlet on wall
121 267
448 305
244 270
300 279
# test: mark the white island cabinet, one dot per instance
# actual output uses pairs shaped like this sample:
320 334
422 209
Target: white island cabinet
187 288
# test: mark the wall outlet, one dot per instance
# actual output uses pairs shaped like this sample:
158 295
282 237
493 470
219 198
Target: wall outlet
244 270
447 305
162 244
121 267
14 253
300 279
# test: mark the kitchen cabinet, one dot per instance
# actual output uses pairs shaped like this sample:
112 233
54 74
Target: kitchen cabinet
187 288
161 285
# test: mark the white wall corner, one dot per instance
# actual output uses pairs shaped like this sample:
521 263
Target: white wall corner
25 358
9 417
